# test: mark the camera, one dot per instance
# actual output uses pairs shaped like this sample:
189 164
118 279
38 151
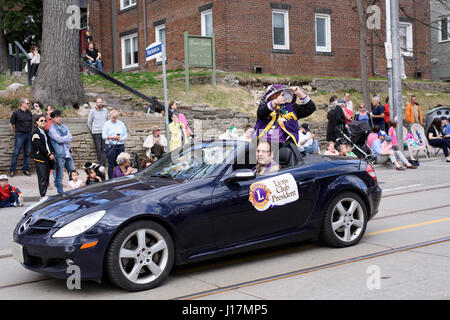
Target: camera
288 95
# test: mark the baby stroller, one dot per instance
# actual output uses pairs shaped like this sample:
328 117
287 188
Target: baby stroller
359 131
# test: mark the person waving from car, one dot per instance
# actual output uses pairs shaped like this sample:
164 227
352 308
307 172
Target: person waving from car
278 115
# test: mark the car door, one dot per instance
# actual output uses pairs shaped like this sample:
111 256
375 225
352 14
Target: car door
236 219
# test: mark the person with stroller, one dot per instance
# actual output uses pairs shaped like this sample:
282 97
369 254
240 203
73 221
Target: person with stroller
277 119
382 149
337 121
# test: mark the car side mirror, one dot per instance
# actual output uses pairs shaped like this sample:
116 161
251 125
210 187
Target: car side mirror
241 175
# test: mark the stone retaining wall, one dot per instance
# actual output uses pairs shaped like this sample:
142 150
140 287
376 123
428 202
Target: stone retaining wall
209 122
82 146
334 85
204 121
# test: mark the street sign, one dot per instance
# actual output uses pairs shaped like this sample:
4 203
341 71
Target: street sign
153 51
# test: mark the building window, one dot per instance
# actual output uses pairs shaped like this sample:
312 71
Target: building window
125 4
323 33
444 29
207 24
280 29
406 39
160 36
130 51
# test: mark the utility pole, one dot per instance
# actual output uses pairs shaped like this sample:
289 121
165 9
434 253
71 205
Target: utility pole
166 103
396 70
388 46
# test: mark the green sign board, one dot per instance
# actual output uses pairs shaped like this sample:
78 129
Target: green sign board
199 52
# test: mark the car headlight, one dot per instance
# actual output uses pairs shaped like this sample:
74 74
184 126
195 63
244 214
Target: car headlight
80 225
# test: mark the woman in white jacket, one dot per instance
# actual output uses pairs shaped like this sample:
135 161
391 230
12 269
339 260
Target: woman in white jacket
35 60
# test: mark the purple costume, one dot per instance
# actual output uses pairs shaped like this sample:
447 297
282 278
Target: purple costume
279 125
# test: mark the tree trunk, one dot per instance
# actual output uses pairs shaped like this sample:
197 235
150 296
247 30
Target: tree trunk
363 54
58 81
4 61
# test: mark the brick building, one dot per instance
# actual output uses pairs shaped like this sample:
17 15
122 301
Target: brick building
294 37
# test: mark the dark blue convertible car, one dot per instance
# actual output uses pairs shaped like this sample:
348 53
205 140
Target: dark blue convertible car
199 202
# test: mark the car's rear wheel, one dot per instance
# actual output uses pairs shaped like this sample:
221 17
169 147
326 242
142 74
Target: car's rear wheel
345 221
140 256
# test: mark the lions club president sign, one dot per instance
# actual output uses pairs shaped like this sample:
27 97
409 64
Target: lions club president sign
276 191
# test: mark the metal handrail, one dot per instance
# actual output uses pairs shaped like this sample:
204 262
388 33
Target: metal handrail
117 82
14 61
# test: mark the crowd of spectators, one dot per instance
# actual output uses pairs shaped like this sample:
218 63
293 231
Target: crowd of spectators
42 134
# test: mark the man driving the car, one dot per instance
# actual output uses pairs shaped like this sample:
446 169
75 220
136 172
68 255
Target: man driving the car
264 157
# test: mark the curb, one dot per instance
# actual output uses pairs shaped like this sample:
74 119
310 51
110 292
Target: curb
31 199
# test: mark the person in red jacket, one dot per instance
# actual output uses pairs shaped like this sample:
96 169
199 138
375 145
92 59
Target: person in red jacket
9 196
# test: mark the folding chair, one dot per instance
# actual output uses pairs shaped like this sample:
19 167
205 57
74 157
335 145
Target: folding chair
414 149
419 132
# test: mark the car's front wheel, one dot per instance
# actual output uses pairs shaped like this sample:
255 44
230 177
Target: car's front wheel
140 257
345 221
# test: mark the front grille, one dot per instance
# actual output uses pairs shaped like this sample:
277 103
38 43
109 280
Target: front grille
40 227
43 224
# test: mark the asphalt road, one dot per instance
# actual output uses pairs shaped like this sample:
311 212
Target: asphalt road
405 254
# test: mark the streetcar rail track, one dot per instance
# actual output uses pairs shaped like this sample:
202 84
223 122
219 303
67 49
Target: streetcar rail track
285 275
297 272
275 277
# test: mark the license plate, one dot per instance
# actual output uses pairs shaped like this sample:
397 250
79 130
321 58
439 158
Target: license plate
17 250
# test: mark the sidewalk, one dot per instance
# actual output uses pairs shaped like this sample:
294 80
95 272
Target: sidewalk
29 185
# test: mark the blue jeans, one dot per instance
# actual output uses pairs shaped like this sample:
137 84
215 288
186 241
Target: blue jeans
10 201
62 163
314 148
112 151
99 64
441 143
21 140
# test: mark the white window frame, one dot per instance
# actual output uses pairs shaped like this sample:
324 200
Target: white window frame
123 39
157 39
409 52
327 18
286 30
133 3
203 21
448 29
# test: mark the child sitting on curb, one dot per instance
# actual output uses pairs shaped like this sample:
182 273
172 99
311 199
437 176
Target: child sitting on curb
9 196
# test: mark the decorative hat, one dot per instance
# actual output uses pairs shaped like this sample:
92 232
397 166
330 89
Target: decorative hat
274 89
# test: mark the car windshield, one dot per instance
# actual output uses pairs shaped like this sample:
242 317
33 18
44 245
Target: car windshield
191 162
